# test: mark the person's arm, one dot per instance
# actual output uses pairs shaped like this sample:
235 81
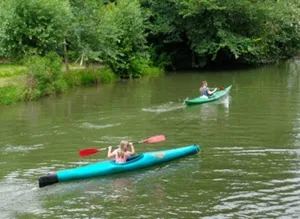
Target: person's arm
211 92
132 150
109 153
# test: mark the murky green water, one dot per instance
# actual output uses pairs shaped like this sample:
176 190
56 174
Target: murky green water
248 165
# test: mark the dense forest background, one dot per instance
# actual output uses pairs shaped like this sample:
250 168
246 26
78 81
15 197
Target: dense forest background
127 35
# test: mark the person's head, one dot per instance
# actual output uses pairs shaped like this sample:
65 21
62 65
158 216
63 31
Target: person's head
204 83
122 148
123 145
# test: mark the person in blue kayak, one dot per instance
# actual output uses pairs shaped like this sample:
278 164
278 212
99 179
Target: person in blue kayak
205 91
121 154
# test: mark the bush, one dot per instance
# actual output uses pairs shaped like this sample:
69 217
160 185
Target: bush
142 67
10 95
153 71
45 76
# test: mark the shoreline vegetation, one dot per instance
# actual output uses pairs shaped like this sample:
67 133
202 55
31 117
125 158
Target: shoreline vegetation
40 40
20 83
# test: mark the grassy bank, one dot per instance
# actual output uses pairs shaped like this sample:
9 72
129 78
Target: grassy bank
17 84
12 83
23 83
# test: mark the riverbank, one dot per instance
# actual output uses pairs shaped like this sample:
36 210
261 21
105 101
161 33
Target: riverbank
17 84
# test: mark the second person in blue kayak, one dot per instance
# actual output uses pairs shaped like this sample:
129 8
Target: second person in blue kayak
121 154
205 91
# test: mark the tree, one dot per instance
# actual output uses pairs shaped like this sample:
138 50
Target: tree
111 33
33 25
241 31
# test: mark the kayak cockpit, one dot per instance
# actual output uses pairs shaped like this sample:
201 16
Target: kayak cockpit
131 159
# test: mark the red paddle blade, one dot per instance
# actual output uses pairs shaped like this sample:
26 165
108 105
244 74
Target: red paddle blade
88 152
221 88
155 139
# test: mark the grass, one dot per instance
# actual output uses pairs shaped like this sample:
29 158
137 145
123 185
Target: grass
12 81
9 70
12 78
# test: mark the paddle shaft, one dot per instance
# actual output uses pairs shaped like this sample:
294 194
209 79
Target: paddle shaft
104 149
91 151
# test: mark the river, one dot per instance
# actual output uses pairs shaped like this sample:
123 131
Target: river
248 166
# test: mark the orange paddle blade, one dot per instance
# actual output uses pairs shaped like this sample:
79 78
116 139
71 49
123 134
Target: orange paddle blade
88 152
155 139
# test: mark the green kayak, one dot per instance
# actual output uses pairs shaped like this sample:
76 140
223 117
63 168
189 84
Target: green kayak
217 95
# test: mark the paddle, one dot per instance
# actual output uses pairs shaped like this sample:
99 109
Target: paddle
90 151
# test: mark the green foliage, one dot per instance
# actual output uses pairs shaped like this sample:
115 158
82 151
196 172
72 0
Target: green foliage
161 59
106 76
140 66
44 76
128 18
10 95
153 71
136 67
245 31
129 36
88 41
37 25
112 34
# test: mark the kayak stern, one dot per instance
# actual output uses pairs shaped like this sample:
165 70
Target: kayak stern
48 179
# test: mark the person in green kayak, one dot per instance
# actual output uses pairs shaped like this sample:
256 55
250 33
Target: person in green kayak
122 153
205 91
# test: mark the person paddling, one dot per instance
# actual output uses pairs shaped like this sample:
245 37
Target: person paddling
121 154
204 90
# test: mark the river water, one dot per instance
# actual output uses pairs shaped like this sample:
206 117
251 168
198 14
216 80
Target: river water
248 166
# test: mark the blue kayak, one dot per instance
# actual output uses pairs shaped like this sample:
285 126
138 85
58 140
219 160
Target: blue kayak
215 96
109 167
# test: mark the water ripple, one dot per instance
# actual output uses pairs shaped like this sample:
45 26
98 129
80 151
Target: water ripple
93 126
165 107
22 148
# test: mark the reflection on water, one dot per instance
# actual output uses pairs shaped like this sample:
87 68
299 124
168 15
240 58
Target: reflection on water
293 67
210 111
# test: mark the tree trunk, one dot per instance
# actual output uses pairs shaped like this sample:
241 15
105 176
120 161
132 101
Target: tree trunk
66 56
